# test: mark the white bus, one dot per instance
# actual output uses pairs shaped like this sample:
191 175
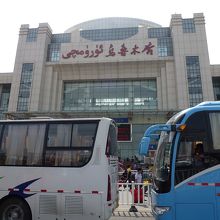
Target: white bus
60 169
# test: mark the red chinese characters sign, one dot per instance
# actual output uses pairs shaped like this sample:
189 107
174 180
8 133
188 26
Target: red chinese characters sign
110 52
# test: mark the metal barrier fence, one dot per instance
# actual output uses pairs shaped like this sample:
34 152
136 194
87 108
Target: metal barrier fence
134 194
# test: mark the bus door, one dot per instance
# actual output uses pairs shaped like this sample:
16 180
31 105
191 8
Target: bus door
194 189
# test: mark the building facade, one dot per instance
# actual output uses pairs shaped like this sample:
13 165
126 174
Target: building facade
132 70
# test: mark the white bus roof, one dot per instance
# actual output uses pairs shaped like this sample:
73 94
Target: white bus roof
55 119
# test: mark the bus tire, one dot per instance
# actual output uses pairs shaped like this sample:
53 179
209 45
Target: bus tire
14 208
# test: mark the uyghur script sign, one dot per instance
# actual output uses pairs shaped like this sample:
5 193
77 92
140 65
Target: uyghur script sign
123 51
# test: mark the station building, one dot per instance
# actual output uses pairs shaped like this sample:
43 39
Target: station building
132 70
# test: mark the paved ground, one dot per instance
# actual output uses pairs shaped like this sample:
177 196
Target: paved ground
122 213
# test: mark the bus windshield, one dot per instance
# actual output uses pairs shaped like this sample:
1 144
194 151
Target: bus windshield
162 163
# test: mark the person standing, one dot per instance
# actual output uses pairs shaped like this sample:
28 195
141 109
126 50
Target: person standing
138 192
129 173
199 156
138 176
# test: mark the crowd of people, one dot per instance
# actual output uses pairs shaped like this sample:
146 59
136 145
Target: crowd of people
129 176
131 170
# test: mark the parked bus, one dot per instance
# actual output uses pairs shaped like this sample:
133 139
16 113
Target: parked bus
186 176
58 169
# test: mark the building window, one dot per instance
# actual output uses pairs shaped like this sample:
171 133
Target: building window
194 80
4 99
53 52
216 88
110 96
25 87
32 35
164 41
61 38
188 25
165 47
109 34
159 32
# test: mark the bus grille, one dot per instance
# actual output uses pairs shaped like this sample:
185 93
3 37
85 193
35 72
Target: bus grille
73 205
48 204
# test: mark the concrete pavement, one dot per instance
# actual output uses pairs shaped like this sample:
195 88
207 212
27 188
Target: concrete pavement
122 213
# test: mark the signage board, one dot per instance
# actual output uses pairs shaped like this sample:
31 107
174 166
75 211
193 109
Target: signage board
124 132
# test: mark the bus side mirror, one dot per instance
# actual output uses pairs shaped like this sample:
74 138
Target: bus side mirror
144 146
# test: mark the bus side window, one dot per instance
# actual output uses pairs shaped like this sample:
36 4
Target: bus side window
64 158
22 144
111 145
70 144
215 127
83 135
14 141
184 154
35 143
189 160
50 158
59 135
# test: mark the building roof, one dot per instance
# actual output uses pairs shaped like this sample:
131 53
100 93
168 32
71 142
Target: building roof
112 22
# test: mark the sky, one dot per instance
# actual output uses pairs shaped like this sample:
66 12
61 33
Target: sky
61 15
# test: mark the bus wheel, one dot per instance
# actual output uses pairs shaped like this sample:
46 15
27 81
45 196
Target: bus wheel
14 209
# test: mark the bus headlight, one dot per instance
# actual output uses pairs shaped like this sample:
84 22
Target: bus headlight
160 210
